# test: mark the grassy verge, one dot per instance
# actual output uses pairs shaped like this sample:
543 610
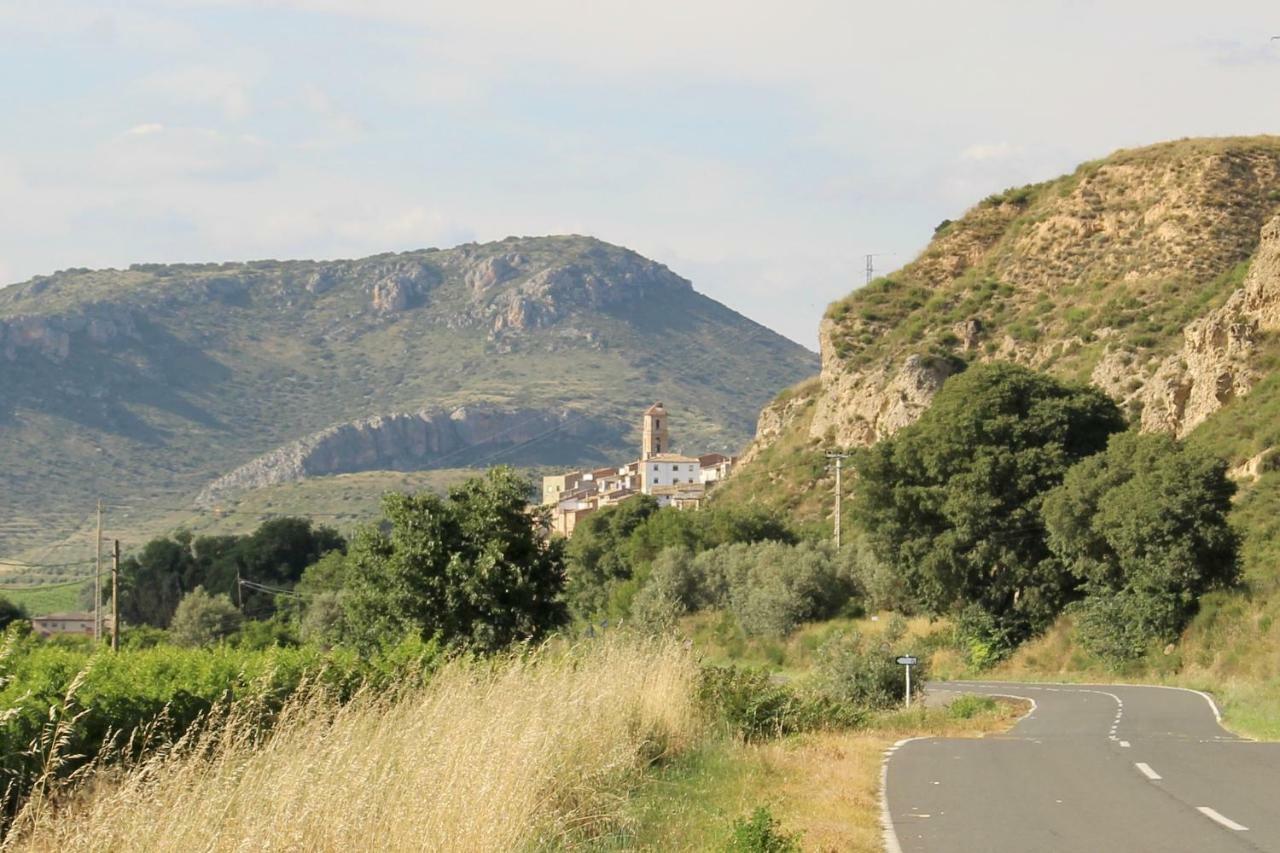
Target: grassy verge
825 786
528 752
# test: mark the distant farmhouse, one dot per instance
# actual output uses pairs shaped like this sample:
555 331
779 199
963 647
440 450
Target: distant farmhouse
672 479
66 623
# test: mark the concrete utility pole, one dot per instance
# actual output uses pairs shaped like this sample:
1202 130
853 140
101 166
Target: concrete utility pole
839 457
115 597
97 581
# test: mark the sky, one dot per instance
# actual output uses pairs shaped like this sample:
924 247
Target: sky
760 149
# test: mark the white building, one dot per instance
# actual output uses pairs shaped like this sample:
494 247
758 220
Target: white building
669 469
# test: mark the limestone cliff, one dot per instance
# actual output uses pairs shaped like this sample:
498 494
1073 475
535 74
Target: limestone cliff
1219 357
410 441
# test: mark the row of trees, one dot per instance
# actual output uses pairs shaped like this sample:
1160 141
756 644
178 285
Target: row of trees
164 571
1017 496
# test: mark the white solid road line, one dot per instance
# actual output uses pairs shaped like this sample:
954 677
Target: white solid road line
1147 771
1218 818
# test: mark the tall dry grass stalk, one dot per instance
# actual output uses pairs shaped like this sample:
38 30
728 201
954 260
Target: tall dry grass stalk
521 753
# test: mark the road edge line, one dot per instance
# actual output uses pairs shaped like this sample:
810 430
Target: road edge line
888 832
1213 705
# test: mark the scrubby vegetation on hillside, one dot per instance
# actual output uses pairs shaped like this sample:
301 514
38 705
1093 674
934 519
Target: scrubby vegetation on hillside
180 373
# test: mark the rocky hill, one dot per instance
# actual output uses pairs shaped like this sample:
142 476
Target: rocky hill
1153 274
154 385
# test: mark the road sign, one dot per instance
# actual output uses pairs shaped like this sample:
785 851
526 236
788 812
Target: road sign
908 660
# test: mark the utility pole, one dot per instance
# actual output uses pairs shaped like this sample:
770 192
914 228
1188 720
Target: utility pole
97 582
115 597
839 457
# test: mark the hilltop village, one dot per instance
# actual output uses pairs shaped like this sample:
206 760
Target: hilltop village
671 478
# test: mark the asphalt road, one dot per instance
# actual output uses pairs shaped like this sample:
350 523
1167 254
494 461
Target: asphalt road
1090 768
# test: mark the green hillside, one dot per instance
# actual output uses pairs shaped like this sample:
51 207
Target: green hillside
1138 273
144 385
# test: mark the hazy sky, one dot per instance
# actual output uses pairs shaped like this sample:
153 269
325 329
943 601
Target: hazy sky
758 148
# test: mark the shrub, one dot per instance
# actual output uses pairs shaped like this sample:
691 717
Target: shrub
968 706
1121 626
202 619
982 639
780 586
769 587
755 707
761 833
853 672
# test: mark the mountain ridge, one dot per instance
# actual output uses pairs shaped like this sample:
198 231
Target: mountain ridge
150 383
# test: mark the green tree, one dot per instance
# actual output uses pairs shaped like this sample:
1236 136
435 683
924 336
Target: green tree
611 553
10 612
952 502
598 555
473 570
153 581
203 619
1144 527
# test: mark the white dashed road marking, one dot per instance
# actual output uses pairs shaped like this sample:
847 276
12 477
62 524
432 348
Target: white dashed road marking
1218 818
1147 771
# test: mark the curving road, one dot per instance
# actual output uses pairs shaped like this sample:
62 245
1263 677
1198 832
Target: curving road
1090 768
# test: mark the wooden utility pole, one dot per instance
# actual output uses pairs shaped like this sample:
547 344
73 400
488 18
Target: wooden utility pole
839 457
97 581
115 597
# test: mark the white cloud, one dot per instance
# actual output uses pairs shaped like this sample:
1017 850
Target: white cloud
145 129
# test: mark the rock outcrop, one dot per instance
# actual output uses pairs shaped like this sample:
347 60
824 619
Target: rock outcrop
409 441
1217 361
1080 276
53 336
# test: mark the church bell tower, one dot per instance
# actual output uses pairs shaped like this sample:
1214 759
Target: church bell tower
657 438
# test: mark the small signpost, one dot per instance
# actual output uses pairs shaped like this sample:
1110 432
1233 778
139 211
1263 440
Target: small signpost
908 661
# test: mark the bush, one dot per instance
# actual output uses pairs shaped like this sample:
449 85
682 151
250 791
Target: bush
854 672
982 638
755 707
203 619
761 833
968 706
1121 626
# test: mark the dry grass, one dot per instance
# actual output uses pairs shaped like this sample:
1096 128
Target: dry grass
824 785
829 785
530 752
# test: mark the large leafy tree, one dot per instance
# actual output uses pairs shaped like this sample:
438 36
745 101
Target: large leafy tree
1144 527
10 612
952 502
474 570
155 579
599 554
